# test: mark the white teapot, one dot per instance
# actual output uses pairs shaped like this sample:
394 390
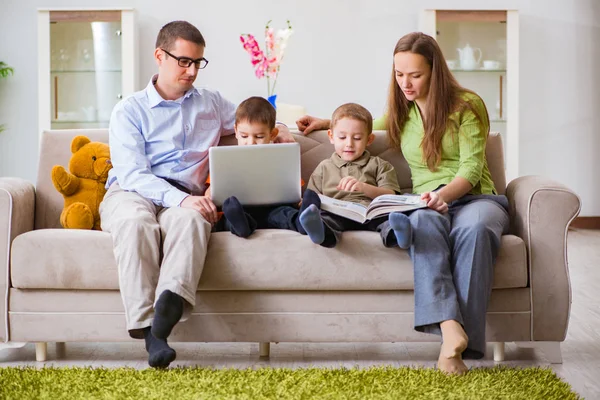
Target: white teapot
467 57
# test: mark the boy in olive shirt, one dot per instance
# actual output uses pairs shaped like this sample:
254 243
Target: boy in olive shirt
352 174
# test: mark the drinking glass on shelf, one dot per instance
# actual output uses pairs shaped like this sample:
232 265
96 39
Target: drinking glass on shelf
63 57
86 56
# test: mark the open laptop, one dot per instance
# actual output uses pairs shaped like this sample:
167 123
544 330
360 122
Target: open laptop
261 174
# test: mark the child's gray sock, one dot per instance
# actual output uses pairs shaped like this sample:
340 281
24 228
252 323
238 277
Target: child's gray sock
313 224
402 229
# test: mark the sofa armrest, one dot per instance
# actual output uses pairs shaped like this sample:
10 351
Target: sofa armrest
540 212
17 209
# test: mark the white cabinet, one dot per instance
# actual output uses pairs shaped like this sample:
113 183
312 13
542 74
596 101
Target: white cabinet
482 49
87 63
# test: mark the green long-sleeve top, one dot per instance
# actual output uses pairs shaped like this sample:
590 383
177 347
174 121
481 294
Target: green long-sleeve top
463 154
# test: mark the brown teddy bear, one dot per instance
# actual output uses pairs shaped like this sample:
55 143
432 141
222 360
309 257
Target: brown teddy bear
83 188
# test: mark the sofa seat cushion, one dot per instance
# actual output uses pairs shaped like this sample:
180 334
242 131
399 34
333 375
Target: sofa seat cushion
268 260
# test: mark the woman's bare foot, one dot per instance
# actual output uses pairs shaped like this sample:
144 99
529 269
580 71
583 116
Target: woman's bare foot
455 341
452 365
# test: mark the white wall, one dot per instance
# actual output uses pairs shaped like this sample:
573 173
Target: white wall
340 52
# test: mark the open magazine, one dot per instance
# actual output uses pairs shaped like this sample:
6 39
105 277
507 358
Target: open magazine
381 205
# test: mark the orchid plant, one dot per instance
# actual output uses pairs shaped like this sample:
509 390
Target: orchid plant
268 62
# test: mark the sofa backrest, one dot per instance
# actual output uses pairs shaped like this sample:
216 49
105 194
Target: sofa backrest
56 149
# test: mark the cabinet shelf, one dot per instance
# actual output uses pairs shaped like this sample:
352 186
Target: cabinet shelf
79 121
80 71
502 71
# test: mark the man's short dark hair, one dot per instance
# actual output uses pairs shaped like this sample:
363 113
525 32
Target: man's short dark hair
178 30
256 110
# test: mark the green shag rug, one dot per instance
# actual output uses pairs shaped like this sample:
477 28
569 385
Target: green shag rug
280 383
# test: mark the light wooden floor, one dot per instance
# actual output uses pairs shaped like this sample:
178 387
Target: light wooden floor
581 350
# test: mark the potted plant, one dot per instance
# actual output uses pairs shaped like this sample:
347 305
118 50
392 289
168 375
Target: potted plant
5 71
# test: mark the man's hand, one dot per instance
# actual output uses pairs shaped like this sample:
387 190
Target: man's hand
435 202
307 124
203 205
350 184
284 135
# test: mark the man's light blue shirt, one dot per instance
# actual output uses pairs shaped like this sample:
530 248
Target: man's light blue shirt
152 139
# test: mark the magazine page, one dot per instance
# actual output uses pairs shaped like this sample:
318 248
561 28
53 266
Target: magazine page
383 205
409 199
353 211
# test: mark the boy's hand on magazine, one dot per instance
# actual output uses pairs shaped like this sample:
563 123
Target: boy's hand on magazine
350 184
435 202
203 205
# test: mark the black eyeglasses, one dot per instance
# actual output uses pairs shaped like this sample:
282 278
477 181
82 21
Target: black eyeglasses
185 62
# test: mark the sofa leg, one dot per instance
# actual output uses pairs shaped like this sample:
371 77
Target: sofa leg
41 351
498 351
264 349
61 350
550 349
12 345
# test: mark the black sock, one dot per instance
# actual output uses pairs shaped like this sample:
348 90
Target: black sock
167 312
234 212
331 237
310 197
160 355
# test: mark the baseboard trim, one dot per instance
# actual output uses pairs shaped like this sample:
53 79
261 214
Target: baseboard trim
586 223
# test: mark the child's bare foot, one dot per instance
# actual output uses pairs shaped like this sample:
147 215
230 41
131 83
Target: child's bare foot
454 339
452 365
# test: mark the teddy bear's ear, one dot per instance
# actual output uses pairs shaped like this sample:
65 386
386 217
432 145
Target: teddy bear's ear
78 142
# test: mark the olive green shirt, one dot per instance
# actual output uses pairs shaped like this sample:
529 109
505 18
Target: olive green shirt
367 169
463 154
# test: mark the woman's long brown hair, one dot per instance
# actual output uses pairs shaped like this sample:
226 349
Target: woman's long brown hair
443 99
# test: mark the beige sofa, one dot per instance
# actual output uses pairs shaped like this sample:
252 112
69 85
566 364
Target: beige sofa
60 285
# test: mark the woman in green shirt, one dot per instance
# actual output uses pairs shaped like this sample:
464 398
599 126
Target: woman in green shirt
442 130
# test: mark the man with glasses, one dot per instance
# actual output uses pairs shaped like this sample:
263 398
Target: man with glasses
155 208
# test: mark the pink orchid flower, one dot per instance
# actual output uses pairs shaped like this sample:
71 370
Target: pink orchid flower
268 62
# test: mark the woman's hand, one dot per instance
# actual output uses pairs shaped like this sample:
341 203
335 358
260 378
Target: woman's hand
284 135
307 124
350 184
435 202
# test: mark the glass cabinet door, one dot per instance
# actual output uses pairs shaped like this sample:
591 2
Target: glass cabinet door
85 68
481 48
474 45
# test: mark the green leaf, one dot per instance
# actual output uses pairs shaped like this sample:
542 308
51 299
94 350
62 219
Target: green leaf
5 70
